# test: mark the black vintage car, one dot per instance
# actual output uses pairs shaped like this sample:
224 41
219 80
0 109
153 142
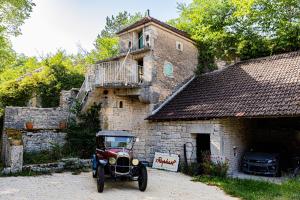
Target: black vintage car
261 163
114 159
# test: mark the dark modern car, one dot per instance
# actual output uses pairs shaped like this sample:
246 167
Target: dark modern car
261 163
114 159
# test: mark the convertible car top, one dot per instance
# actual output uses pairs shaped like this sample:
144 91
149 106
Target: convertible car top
115 133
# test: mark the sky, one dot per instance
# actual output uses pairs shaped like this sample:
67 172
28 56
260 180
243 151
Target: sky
70 24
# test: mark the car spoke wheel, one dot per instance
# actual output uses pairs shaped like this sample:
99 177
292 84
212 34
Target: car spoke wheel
100 178
143 178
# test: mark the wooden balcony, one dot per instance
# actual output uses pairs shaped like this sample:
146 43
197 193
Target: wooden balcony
115 74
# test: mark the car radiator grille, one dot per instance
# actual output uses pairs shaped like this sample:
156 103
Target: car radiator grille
122 165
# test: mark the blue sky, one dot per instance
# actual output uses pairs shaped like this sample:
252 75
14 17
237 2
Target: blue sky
67 24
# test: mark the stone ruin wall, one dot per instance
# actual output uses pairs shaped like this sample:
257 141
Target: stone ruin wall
45 133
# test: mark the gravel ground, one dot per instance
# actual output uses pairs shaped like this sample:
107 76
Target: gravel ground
162 185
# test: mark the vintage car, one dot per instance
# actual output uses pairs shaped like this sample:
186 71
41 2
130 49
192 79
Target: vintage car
114 159
261 163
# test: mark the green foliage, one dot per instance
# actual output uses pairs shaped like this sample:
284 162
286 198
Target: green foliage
81 134
105 47
116 23
216 168
255 190
59 74
226 29
56 153
107 44
53 74
191 169
12 16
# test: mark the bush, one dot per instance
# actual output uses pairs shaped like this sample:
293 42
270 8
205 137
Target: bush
81 135
191 170
217 168
56 153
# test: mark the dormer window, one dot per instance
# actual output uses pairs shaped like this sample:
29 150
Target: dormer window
179 46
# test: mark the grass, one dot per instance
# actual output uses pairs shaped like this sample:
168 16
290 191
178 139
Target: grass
255 190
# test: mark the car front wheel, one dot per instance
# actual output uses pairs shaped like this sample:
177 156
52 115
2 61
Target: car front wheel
100 178
143 178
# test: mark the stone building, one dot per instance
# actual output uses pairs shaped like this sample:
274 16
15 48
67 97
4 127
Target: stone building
149 89
253 104
154 59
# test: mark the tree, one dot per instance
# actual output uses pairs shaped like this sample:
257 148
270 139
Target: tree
12 16
241 28
118 22
106 44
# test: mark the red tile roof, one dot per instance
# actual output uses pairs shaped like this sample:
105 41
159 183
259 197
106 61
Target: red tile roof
264 87
149 19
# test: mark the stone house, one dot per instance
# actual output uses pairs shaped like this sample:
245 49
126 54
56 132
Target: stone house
149 89
154 59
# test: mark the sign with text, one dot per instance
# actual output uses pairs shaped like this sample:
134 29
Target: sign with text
166 161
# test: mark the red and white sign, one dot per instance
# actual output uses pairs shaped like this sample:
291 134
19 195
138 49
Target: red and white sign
166 161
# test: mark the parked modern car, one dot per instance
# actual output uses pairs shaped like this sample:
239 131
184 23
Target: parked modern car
114 159
261 163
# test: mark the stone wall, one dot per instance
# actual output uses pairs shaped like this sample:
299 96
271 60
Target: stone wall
184 62
67 97
42 118
46 128
228 139
14 158
42 140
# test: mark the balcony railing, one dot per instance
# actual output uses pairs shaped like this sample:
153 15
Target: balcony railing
115 74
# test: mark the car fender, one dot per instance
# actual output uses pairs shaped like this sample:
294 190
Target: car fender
94 162
103 162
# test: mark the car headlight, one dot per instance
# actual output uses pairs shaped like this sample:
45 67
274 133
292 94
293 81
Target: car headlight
112 160
271 161
135 162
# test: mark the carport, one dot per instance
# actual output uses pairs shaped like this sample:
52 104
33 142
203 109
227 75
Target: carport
275 135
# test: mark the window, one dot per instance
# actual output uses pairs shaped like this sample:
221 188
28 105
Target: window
129 44
168 70
179 46
141 40
147 40
140 63
121 104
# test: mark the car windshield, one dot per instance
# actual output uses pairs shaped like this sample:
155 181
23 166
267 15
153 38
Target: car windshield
119 142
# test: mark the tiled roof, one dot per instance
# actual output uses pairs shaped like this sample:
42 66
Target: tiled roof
264 87
149 19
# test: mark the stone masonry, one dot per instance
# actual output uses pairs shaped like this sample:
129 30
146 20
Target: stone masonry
45 133
227 139
42 140
125 108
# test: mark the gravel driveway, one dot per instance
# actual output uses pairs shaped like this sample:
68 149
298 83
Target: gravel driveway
161 186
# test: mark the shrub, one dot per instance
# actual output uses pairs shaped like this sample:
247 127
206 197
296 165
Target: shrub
191 169
216 167
81 133
56 153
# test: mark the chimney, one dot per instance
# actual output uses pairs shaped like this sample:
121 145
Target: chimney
148 13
